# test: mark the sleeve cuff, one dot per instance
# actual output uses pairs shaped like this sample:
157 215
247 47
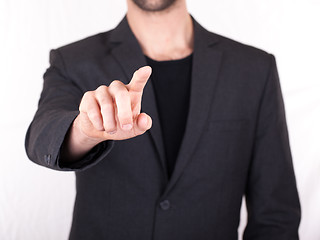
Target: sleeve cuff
94 156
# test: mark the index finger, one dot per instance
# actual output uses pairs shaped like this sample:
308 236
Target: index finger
139 79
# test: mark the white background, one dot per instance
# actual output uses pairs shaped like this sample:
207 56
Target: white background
36 203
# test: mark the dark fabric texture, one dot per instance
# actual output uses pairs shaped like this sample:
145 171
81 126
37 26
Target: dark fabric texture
235 144
171 81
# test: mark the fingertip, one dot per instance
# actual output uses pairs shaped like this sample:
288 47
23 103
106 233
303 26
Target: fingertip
145 70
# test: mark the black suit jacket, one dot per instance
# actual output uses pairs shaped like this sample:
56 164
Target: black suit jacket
235 144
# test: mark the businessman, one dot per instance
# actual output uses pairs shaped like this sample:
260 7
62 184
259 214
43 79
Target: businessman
167 126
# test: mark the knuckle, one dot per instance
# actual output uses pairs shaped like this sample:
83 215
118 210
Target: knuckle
102 88
87 94
104 98
85 100
116 83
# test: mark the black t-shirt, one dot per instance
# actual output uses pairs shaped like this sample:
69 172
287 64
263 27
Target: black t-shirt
171 81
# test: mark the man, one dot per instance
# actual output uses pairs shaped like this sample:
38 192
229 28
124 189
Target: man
168 157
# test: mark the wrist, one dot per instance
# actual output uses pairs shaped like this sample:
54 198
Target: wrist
80 138
77 143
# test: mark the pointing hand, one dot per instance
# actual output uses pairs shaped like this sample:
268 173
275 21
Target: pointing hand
113 112
108 113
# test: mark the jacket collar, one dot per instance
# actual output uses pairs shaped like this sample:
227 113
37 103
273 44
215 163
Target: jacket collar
122 33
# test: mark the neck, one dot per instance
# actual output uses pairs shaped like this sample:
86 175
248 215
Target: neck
163 35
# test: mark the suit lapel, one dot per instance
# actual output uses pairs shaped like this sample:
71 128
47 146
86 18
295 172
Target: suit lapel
128 54
205 69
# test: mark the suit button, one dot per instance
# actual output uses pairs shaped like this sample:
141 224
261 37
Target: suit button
165 205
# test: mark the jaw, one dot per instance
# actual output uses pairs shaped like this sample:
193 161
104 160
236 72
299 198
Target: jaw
154 5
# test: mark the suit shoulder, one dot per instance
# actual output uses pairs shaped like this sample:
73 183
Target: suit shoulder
232 44
243 56
242 53
86 48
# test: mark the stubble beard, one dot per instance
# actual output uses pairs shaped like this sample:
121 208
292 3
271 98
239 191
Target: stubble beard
154 5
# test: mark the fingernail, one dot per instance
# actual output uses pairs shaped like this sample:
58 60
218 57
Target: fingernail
113 132
126 126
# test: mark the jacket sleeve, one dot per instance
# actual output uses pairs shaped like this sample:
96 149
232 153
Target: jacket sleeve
271 195
57 108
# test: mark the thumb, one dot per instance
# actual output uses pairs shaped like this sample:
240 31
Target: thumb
144 122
